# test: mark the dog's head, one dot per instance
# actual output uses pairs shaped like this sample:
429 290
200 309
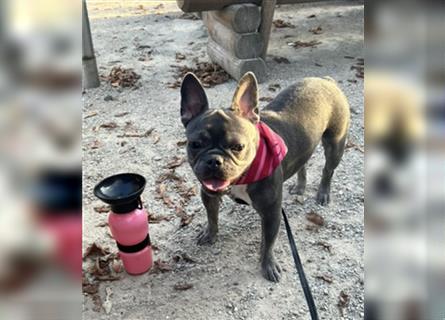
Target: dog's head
221 143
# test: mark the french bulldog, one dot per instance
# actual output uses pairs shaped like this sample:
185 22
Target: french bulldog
222 143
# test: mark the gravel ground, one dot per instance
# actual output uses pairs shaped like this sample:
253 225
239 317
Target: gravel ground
225 278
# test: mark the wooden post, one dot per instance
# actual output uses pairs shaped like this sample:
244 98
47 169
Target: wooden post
234 66
267 11
240 45
241 18
89 66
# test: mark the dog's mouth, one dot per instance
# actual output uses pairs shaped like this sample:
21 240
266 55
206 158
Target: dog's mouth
215 185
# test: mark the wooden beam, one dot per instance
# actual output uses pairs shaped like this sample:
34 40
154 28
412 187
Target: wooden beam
234 66
240 45
267 11
241 18
207 5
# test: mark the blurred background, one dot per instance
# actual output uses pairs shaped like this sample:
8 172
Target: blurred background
405 167
40 159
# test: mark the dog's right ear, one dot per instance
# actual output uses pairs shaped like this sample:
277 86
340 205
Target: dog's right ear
193 98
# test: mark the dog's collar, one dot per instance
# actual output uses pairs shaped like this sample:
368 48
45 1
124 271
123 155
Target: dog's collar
271 151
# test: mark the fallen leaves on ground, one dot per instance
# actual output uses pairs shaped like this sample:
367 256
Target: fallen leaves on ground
161 266
179 56
175 162
304 44
122 114
325 245
210 74
92 114
315 218
282 24
104 266
182 286
281 60
325 278
95 144
102 209
350 144
122 77
343 301
136 135
109 125
359 68
274 87
153 219
189 16
179 186
317 30
181 143
161 191
183 257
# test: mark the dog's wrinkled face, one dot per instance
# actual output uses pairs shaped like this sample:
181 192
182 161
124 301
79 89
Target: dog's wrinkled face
221 144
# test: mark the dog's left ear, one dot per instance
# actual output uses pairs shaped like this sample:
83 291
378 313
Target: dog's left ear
245 100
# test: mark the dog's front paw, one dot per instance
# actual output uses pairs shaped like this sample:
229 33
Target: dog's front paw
271 270
206 236
323 198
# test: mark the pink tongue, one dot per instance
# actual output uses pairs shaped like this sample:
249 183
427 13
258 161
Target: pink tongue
215 184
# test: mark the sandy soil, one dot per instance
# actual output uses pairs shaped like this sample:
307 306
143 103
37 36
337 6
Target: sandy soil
225 278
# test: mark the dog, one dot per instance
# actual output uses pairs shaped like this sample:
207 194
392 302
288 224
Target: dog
223 145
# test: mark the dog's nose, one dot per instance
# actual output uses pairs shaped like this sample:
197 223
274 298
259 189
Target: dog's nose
214 162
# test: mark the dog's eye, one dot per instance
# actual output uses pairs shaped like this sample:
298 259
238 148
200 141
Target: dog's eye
195 144
237 147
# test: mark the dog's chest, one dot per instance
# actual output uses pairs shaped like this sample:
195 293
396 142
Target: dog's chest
239 194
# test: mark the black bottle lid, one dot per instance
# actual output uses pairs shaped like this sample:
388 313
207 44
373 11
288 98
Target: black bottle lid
122 191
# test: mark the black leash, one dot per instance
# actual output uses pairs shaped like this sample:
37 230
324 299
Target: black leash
299 266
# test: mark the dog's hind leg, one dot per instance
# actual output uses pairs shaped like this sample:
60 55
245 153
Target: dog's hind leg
333 151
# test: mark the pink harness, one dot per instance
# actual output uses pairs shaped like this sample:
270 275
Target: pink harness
271 151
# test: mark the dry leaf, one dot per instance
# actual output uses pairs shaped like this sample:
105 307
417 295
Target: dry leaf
317 30
161 266
179 56
311 16
343 301
304 44
209 74
325 245
181 143
282 24
182 286
136 135
189 16
281 60
315 218
109 125
118 115
95 250
95 144
102 209
121 77
175 162
325 278
274 87
92 114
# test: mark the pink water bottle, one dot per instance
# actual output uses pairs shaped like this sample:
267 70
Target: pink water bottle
128 220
